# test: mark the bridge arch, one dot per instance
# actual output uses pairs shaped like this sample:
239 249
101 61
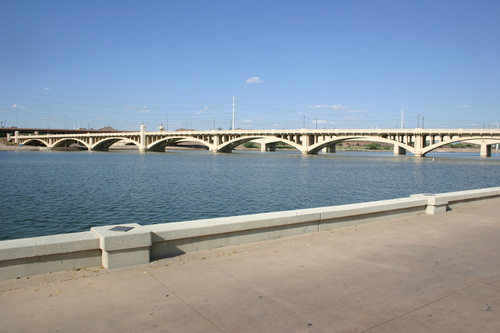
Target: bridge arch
228 146
66 142
105 143
159 145
490 141
30 142
315 148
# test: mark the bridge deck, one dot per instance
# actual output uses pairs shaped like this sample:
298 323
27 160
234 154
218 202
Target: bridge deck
430 273
417 141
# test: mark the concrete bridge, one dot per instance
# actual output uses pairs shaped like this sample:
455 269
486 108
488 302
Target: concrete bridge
417 141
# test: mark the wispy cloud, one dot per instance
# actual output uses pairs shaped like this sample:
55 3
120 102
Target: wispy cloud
356 111
325 106
323 121
254 79
46 88
141 108
135 107
201 111
354 117
247 121
465 106
18 106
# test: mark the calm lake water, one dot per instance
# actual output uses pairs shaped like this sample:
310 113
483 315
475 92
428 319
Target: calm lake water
54 192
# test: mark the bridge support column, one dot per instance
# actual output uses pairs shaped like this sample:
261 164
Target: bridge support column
398 150
306 142
16 137
419 141
142 141
216 141
270 147
330 149
263 145
485 150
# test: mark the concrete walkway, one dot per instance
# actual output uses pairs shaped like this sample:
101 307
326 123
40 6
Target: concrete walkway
425 274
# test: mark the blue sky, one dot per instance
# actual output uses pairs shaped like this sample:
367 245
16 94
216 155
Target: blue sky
324 64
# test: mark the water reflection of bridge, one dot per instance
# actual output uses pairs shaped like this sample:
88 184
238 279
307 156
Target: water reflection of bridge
417 141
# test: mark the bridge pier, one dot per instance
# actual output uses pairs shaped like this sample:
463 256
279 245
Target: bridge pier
398 150
215 143
142 141
332 149
485 150
269 147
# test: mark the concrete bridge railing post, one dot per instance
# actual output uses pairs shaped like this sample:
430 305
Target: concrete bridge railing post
124 245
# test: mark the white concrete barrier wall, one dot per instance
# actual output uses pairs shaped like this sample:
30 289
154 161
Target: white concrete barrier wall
133 244
172 239
40 255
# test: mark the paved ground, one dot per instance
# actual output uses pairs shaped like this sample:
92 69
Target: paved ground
425 274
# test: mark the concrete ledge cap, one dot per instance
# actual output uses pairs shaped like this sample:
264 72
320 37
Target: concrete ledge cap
370 207
197 228
471 194
48 245
112 240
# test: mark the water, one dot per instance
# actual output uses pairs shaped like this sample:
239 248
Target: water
54 192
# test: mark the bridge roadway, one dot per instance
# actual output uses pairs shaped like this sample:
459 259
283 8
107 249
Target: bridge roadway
417 141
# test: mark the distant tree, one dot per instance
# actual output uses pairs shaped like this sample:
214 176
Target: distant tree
373 146
282 145
250 145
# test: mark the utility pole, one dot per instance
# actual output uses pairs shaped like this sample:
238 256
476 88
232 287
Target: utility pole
232 127
497 143
17 106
